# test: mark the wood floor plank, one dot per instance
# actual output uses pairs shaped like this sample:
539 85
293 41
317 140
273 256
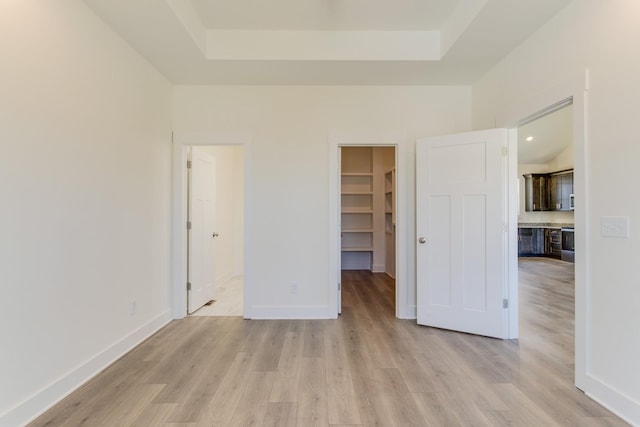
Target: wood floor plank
252 408
280 414
226 399
285 387
341 396
154 414
312 395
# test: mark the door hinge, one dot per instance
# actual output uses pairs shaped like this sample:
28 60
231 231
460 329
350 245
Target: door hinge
188 286
505 303
188 225
339 288
505 151
188 164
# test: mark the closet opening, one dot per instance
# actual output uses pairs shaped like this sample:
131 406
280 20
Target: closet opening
368 189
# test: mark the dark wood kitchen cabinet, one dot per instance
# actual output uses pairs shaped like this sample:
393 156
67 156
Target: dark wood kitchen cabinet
553 242
536 190
560 190
531 241
549 191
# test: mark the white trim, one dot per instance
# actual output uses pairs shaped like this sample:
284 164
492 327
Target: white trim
181 141
274 312
49 395
511 292
372 139
575 88
624 407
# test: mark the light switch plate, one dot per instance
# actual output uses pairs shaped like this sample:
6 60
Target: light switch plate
615 226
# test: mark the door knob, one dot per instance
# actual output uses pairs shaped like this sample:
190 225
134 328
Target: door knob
422 240
215 234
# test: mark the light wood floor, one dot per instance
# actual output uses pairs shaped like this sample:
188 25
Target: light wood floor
367 368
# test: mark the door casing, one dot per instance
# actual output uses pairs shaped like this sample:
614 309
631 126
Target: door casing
179 211
405 308
575 88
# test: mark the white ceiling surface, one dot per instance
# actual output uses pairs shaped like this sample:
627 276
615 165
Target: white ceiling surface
551 134
325 42
386 15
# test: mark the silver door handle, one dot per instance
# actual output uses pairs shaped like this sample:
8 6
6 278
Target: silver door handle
422 240
215 235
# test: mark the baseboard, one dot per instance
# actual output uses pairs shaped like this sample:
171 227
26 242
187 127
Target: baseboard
378 268
289 312
615 401
41 401
389 274
407 312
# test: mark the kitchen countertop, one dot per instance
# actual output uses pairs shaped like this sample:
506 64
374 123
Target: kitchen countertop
544 225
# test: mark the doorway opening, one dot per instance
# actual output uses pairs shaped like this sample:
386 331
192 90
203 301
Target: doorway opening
368 188
215 230
546 227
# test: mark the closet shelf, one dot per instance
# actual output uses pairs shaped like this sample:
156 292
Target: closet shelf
357 211
357 174
357 193
354 249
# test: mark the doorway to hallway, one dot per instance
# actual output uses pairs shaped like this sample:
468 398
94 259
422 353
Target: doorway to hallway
215 230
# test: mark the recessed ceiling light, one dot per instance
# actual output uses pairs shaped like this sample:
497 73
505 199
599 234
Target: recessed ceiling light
529 138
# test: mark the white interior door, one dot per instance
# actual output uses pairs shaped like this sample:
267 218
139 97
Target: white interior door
201 235
461 215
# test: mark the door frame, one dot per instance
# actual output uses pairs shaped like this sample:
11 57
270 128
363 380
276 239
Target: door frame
404 308
181 141
576 88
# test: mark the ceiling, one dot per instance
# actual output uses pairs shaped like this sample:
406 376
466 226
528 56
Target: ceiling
551 134
325 42
325 15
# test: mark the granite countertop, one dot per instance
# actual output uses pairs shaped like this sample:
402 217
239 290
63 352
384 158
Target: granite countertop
544 225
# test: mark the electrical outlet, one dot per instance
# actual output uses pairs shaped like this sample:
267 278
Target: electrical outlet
132 308
615 226
293 287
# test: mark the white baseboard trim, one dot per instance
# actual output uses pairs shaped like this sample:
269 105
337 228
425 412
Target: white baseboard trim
407 312
378 268
389 274
41 401
615 401
289 312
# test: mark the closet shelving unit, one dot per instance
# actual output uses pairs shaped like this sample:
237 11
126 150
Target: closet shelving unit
357 208
357 212
390 221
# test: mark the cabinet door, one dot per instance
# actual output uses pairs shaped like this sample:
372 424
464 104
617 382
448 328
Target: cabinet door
555 192
566 188
538 234
536 192
526 241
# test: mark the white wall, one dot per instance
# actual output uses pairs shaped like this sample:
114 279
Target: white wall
288 176
85 190
601 36
228 216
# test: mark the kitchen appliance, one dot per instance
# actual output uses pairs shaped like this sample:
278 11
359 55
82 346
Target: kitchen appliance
567 252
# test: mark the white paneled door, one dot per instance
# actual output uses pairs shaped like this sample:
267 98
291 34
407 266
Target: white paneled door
461 241
201 235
